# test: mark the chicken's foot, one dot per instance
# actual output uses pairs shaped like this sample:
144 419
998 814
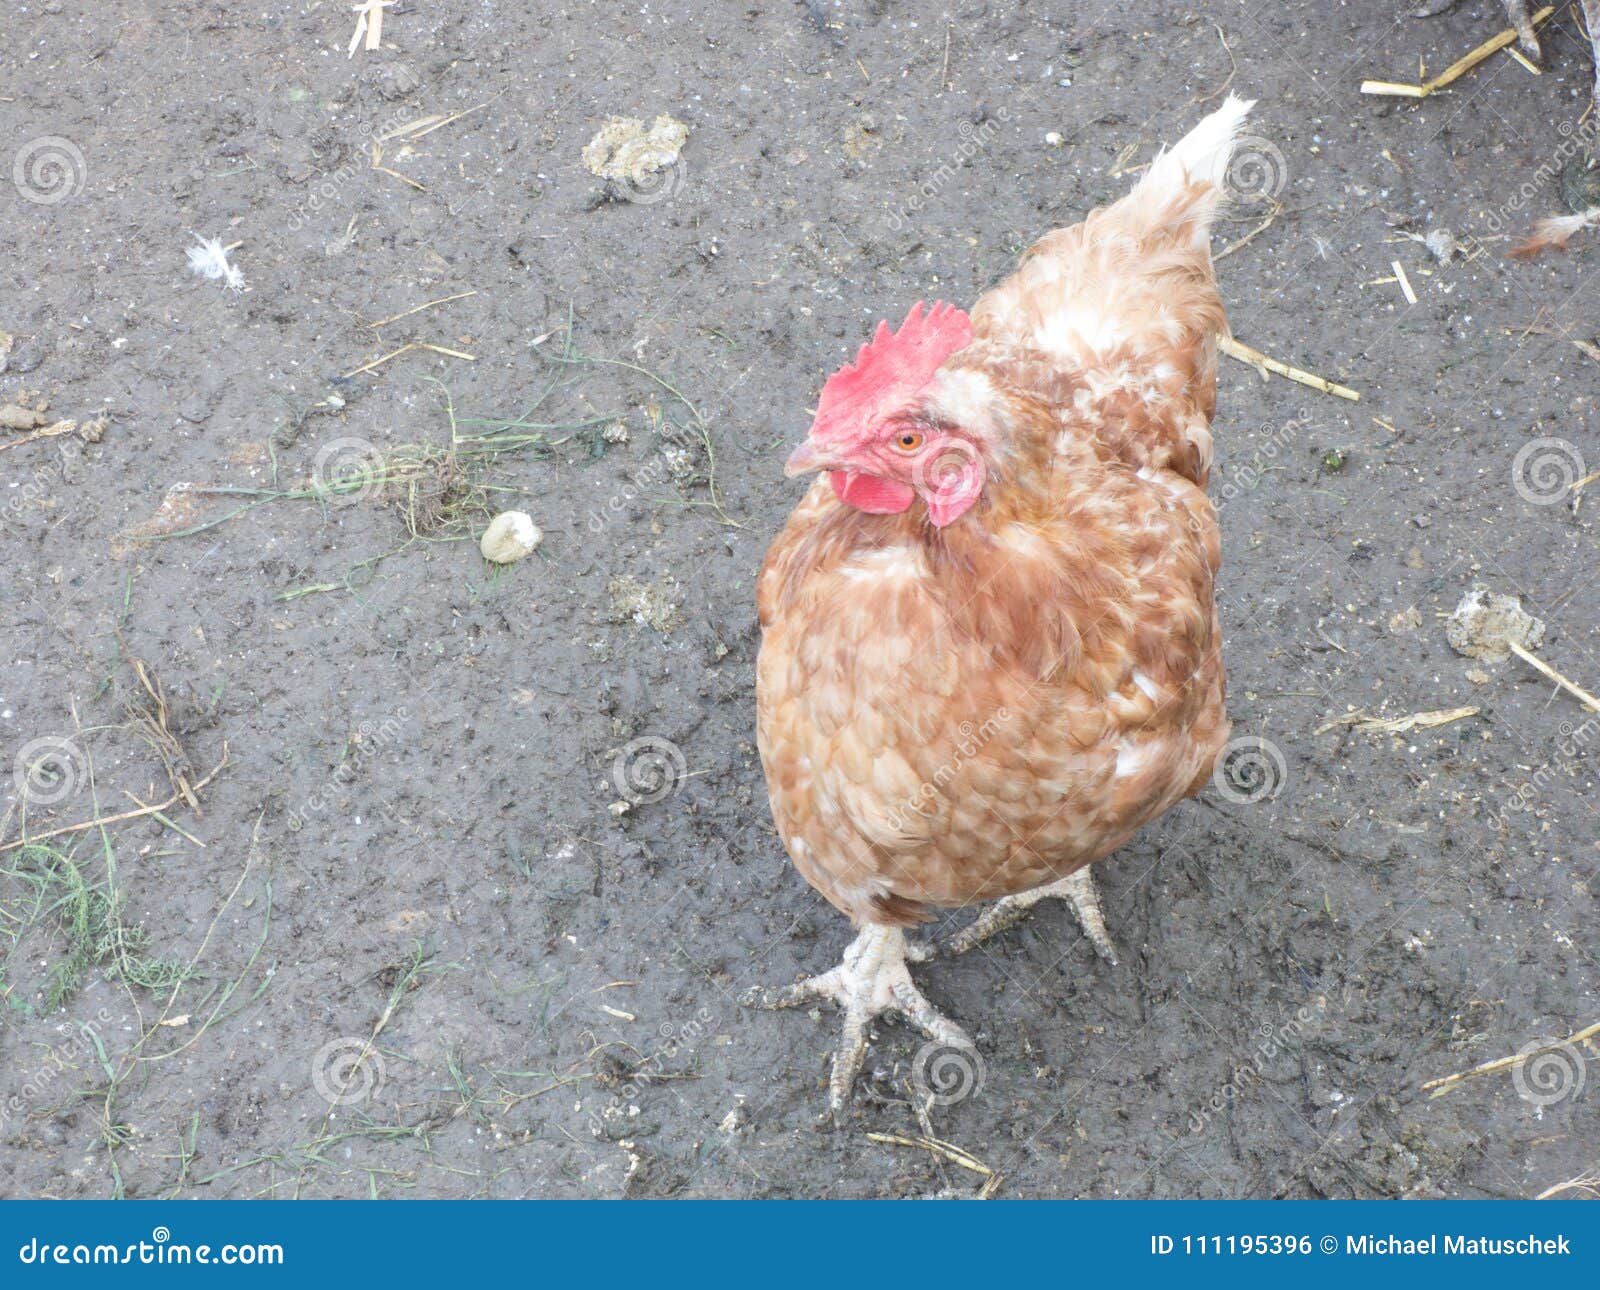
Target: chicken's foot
871 980
1077 889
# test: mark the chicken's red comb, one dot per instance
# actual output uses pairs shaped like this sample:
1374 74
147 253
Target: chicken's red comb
889 373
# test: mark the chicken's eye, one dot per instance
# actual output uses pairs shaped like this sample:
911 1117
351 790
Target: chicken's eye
910 441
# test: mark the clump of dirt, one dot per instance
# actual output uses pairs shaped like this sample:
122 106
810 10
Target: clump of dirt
1485 625
861 137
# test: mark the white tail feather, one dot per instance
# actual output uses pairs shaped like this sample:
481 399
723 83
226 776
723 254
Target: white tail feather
1202 155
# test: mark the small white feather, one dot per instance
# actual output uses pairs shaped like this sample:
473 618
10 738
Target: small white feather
209 258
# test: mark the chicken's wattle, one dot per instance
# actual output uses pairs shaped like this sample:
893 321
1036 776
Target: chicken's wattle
870 493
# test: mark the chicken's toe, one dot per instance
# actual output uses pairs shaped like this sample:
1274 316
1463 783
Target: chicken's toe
1522 20
871 980
1077 889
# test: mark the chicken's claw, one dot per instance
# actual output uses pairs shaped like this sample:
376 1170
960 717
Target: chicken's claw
1522 20
871 980
1077 889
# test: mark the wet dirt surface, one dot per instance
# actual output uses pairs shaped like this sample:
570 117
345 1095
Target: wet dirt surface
424 934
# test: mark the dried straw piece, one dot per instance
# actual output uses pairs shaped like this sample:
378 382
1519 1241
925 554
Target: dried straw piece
1571 687
1397 725
1457 69
1245 354
937 1146
1439 1087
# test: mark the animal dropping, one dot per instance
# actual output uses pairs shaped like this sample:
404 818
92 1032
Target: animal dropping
624 151
1485 626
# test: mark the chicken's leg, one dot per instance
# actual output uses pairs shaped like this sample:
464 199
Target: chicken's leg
1516 10
1077 889
1522 20
1591 20
870 981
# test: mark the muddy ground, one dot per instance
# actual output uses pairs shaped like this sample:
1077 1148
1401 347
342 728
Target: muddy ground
418 932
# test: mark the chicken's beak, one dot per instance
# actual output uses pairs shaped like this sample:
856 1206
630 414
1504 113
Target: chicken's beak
807 459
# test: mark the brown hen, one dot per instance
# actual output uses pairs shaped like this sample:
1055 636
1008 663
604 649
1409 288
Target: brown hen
990 645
